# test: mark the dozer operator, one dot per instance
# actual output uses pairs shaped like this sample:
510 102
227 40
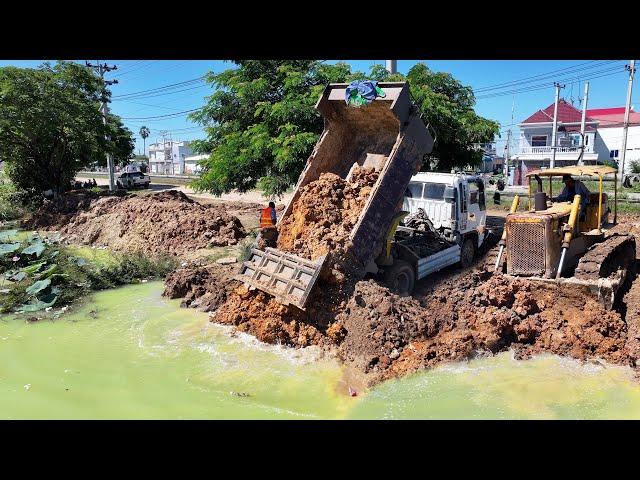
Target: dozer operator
568 242
571 189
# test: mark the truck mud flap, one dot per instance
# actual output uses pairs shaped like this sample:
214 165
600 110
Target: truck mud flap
287 277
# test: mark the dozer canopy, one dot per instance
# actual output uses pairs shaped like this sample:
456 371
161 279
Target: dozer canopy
590 170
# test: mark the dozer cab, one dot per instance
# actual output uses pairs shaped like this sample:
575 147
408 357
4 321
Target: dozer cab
551 243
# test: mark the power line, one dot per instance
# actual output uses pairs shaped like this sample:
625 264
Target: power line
159 89
553 74
168 115
544 86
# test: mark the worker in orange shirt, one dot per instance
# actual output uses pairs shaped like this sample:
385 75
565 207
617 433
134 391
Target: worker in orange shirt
268 216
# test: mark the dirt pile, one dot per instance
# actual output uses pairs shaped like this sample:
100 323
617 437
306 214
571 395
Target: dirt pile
320 223
164 223
205 287
386 336
325 213
258 314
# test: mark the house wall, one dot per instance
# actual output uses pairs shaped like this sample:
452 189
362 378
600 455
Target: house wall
611 139
527 132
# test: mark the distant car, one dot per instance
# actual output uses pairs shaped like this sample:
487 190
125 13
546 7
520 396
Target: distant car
133 179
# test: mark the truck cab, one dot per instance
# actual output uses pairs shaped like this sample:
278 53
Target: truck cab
454 202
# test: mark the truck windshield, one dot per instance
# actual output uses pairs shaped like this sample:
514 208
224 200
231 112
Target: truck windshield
434 191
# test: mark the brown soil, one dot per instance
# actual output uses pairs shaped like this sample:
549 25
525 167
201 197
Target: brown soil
205 287
320 223
258 314
455 316
164 223
325 213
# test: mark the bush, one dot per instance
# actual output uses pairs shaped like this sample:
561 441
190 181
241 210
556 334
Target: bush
635 166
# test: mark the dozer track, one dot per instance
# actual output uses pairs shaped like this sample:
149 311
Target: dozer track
491 257
615 253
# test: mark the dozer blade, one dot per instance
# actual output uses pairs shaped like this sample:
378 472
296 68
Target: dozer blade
602 270
287 277
604 289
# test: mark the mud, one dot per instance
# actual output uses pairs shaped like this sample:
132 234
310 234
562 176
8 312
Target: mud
164 223
204 287
258 314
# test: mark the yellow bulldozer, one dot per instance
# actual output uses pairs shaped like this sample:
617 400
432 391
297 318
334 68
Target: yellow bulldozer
558 243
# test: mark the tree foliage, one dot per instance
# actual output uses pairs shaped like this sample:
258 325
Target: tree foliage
51 125
261 124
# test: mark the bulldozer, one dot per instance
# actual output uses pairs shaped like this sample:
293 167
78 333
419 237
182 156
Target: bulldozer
552 242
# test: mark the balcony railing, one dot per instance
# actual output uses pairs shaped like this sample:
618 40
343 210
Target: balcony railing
549 150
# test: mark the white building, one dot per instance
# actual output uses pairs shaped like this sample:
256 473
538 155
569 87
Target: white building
168 157
602 139
191 163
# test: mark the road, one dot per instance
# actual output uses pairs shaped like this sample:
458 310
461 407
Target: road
253 196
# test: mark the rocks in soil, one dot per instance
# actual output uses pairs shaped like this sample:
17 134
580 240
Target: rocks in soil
260 315
205 287
168 222
325 213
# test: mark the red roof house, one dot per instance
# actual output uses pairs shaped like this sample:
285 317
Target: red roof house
567 113
612 117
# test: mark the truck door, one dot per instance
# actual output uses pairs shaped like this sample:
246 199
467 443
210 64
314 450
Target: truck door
462 206
477 205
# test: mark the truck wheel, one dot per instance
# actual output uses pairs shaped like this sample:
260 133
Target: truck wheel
400 278
467 252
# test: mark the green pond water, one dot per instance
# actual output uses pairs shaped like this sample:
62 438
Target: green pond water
129 353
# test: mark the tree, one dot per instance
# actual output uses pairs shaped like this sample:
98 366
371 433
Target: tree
144 133
261 124
51 125
448 106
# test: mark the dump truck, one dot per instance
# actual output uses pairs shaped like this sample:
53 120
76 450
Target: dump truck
549 242
389 135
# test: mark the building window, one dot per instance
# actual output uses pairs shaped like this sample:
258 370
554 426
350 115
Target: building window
613 154
538 140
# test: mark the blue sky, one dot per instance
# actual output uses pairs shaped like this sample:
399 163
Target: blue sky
489 78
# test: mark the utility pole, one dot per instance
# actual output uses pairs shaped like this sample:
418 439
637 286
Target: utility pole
508 145
392 66
102 69
555 125
583 121
627 108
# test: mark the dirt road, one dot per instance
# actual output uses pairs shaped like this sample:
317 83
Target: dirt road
253 196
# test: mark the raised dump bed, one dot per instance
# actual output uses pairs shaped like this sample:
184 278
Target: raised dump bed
388 135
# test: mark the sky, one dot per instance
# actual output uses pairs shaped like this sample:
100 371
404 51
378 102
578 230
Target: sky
499 85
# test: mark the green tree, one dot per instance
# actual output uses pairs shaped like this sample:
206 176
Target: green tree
51 125
261 124
144 133
447 106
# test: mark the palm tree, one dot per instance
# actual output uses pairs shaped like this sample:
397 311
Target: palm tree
144 133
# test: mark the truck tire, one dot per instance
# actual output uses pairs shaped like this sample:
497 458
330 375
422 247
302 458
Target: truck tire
146 185
400 278
467 252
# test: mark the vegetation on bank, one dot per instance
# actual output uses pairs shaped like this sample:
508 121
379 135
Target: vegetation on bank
37 272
